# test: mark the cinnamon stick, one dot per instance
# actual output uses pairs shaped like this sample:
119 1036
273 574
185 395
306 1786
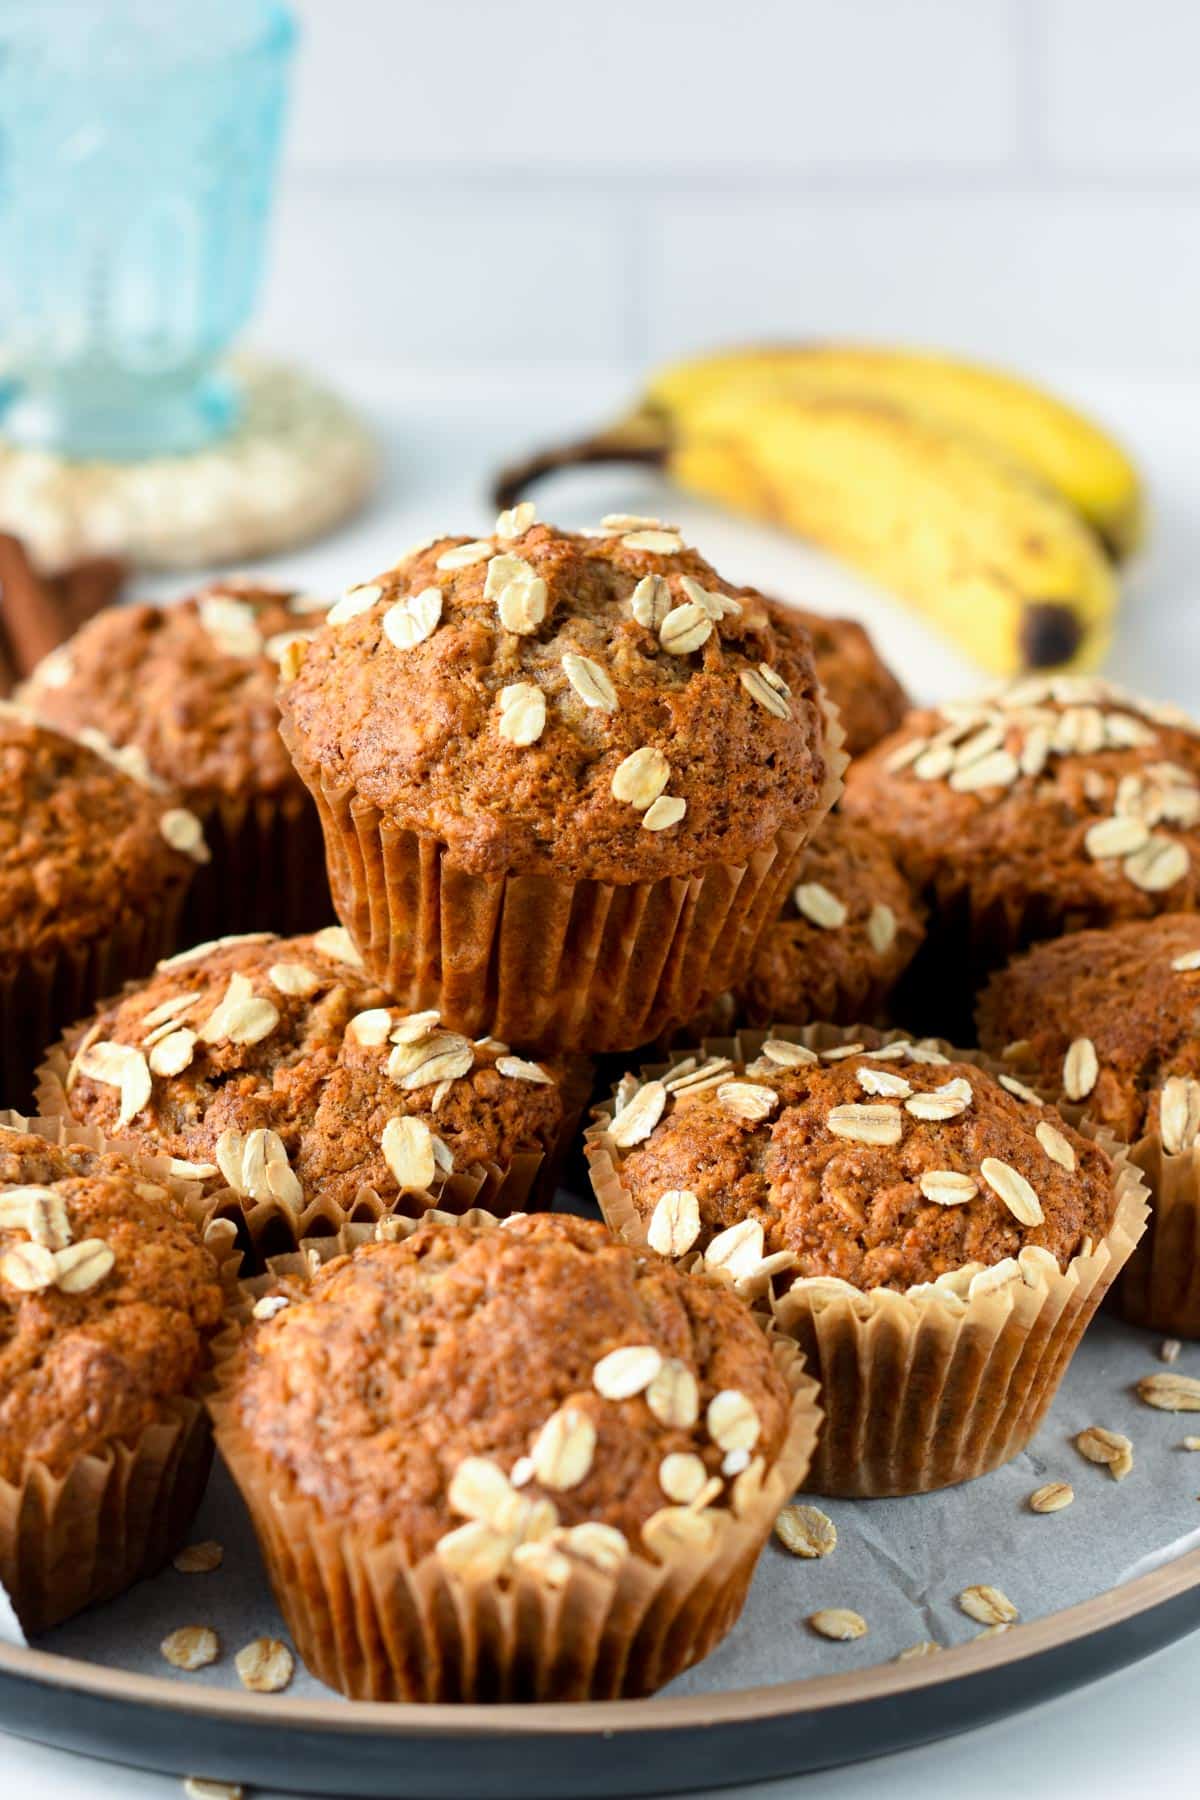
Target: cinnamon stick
8 674
35 619
39 612
89 586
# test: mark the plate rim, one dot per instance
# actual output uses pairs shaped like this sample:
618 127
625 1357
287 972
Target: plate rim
660 1713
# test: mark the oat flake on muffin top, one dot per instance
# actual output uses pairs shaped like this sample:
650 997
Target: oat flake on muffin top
512 1392
276 1065
1063 788
190 685
888 1167
849 929
1108 1020
597 706
85 837
107 1300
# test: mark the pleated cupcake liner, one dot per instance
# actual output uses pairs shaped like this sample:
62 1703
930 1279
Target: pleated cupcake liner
373 1623
1159 1287
72 1539
539 959
268 1227
918 1392
267 871
43 993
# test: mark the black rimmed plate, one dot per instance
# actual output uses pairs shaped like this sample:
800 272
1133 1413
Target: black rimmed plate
663 1745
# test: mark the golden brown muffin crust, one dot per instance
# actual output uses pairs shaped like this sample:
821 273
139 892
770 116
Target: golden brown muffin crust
869 698
840 1206
417 730
81 842
850 927
308 1060
80 1370
1117 990
1006 798
191 685
393 1366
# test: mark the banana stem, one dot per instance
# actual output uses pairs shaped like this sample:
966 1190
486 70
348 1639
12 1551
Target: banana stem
640 438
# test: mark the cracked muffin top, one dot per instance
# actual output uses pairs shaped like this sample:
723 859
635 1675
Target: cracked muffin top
869 699
477 1389
82 842
275 1064
1108 1020
190 685
1061 787
888 1167
849 929
585 705
107 1300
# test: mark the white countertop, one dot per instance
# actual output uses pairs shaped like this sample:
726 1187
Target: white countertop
442 435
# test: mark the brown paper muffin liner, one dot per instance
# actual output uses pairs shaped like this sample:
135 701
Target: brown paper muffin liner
1159 1287
40 995
538 959
923 1392
73 1539
378 1627
266 1228
267 871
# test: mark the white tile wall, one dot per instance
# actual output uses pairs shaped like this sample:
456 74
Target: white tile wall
1016 273
604 181
1123 84
669 83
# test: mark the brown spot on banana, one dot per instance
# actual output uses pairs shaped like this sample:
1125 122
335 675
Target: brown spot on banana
1051 634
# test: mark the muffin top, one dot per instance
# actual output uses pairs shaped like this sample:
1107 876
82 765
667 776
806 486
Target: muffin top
890 1167
869 699
589 706
275 1064
81 841
848 931
107 1300
538 1382
1062 786
190 685
1108 1019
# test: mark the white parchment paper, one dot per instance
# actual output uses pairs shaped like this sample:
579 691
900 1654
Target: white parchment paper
900 1563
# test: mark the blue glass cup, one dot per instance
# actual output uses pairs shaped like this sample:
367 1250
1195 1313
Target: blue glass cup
138 144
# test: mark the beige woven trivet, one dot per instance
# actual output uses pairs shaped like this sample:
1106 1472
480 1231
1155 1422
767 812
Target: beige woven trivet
298 462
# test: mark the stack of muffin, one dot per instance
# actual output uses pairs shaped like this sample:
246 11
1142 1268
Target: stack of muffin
578 796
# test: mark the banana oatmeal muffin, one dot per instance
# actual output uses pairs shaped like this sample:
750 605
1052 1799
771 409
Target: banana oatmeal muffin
109 1301
94 866
837 1176
1057 804
277 1073
1105 1024
564 778
848 931
543 1463
190 688
869 699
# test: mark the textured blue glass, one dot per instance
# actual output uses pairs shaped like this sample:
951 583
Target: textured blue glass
138 143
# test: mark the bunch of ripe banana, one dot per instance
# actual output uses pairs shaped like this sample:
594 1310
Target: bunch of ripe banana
993 508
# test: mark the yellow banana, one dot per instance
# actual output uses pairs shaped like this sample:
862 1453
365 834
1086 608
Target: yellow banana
1000 564
1055 443
950 519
